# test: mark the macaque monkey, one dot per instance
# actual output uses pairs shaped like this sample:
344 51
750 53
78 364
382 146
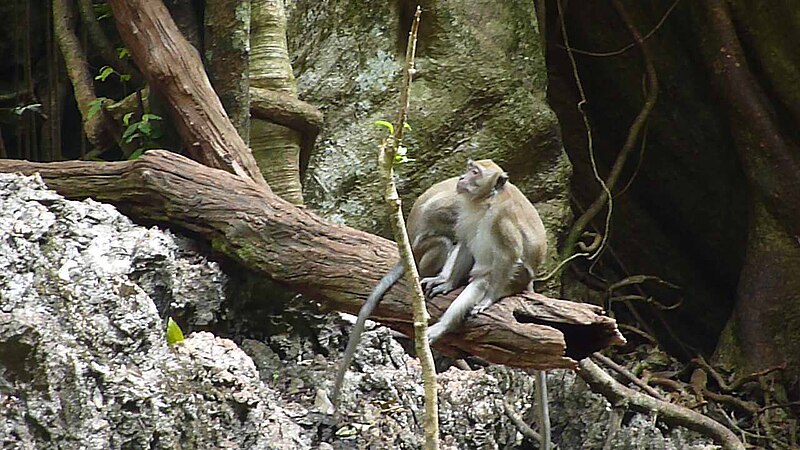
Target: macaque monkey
498 229
501 242
431 230
481 219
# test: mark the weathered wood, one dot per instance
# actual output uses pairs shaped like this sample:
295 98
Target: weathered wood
276 148
173 68
333 264
283 109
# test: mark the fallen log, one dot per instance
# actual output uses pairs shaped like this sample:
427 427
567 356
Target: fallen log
333 264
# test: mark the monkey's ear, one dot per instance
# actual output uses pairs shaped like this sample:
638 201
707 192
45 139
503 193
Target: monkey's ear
501 180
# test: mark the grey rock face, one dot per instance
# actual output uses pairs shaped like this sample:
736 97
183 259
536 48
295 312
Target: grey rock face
84 362
479 92
382 408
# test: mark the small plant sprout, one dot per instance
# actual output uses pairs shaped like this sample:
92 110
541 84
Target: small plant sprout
107 71
122 53
386 124
146 130
174 333
400 155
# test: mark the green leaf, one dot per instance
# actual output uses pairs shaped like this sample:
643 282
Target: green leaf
125 77
136 155
123 53
131 133
95 106
406 126
126 119
174 333
105 72
383 123
149 117
145 128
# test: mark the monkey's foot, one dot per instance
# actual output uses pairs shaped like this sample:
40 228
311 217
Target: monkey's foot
434 286
435 332
482 306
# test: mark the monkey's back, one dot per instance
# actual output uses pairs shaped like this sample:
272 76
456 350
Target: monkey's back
509 226
534 236
431 226
434 212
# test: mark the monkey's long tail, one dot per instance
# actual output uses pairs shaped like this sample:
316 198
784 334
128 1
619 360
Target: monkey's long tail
540 379
355 335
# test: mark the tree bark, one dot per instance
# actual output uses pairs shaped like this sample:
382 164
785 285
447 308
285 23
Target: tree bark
173 67
287 110
333 264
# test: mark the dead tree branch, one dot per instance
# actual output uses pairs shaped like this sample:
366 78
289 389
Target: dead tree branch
333 264
618 394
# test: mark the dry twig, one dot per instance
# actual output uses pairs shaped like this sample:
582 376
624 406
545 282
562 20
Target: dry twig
386 160
608 362
618 394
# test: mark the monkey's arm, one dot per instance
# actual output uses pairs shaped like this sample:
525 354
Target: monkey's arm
453 317
484 289
453 274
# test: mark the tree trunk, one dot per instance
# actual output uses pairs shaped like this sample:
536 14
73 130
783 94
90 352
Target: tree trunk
768 300
768 296
275 147
173 67
185 16
333 264
227 52
78 71
712 200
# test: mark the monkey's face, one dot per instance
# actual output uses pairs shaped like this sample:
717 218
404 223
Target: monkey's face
469 182
482 179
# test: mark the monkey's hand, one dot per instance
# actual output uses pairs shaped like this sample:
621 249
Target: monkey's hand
434 286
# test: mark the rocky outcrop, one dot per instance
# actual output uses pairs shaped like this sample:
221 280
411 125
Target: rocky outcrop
84 361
